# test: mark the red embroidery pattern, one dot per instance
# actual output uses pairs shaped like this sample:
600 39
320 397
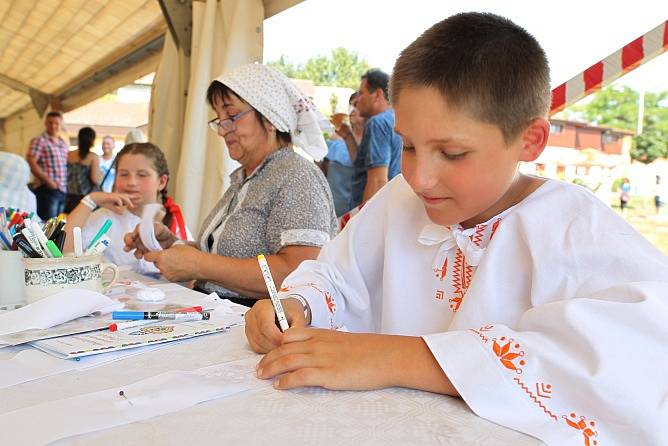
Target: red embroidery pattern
440 294
535 399
480 332
494 228
479 232
587 429
329 300
503 350
506 356
442 271
458 280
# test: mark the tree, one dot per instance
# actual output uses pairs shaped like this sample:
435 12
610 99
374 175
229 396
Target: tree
618 108
343 68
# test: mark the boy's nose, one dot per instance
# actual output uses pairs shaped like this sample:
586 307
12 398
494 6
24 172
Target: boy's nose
424 175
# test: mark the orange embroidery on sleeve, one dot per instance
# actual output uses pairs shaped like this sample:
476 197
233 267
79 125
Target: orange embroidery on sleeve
535 398
580 423
506 356
480 332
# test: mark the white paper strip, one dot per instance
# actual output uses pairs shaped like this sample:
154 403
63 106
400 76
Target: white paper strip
54 310
166 393
30 364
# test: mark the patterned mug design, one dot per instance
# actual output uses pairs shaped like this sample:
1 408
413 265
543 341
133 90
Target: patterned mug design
63 276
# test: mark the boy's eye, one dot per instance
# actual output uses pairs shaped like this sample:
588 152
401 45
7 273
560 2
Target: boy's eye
408 148
454 156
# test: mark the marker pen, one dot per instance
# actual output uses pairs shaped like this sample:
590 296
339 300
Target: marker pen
32 239
99 247
103 230
78 242
159 315
24 245
271 287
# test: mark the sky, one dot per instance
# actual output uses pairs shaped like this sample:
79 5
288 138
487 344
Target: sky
574 34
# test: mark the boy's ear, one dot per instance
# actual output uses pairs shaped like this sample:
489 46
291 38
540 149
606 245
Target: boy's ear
534 139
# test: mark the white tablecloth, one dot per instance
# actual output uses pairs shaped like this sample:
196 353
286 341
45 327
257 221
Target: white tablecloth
304 416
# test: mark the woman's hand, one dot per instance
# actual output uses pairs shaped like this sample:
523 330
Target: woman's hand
113 201
261 330
180 263
163 235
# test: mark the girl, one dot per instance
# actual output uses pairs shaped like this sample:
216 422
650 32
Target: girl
83 170
141 178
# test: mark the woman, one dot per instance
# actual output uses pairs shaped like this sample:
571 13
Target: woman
83 170
278 203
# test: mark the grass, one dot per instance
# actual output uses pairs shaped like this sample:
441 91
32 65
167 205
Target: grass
641 214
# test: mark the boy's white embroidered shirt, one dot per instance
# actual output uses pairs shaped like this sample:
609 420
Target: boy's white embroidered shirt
560 331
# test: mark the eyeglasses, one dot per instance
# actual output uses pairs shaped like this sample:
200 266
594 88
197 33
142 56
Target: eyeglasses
227 125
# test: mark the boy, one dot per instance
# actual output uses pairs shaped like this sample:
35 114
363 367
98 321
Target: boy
527 297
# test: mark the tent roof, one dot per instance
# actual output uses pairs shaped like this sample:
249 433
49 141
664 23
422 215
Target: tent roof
69 52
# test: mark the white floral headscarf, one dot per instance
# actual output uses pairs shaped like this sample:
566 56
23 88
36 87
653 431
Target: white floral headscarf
282 103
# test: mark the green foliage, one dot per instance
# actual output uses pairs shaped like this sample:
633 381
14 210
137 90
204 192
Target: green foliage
342 68
333 102
618 108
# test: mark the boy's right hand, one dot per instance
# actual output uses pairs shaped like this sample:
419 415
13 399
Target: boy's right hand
261 330
113 201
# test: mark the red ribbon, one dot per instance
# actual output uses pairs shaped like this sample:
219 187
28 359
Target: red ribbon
177 226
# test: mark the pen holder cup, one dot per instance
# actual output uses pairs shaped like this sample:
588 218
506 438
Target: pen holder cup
11 278
44 277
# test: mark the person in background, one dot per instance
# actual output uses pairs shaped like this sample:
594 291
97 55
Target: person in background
337 165
624 195
135 135
278 203
142 178
107 164
47 157
14 177
529 298
83 169
660 195
378 155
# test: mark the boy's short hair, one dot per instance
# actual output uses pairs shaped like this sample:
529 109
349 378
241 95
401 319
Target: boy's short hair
375 79
483 64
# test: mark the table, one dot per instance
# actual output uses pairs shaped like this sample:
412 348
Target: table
303 416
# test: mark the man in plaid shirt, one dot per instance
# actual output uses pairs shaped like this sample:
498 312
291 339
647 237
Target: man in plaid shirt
47 157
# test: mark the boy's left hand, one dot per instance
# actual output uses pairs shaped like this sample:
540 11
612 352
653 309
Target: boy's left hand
331 359
180 263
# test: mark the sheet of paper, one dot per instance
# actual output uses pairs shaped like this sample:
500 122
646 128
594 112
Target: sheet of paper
53 310
22 364
103 341
166 393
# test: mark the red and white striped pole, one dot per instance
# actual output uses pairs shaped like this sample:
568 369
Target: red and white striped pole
629 57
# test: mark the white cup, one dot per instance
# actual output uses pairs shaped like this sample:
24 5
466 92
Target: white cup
11 278
44 277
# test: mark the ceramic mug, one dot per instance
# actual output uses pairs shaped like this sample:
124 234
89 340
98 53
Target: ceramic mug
44 277
11 278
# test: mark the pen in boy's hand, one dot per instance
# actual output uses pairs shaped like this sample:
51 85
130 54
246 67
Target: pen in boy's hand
271 287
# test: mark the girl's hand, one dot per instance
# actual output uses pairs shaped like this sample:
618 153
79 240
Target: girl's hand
113 201
261 330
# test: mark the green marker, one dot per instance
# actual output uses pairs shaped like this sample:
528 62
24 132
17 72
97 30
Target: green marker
100 233
53 249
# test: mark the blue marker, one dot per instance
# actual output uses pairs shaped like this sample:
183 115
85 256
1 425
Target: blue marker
159 315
